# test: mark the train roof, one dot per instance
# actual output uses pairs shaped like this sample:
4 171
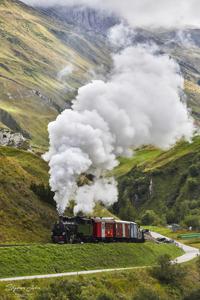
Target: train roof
95 219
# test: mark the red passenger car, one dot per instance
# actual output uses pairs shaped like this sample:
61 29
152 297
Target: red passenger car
103 228
122 230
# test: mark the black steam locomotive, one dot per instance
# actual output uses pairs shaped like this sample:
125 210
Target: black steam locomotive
81 229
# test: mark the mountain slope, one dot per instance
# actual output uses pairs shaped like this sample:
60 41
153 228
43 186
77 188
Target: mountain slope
166 182
24 216
33 50
27 209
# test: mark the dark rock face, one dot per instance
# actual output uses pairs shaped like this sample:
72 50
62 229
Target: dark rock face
83 18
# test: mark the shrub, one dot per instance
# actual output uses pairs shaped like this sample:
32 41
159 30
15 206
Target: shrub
168 272
194 204
195 295
150 218
198 265
144 293
61 291
192 220
105 296
194 170
192 184
44 193
171 217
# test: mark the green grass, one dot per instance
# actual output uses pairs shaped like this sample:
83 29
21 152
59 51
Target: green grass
193 242
162 230
44 259
24 217
112 286
140 157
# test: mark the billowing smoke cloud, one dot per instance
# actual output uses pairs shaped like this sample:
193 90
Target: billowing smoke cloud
103 190
155 13
121 36
139 105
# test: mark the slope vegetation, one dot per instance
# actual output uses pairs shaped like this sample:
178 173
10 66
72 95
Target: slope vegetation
166 182
33 51
35 260
24 217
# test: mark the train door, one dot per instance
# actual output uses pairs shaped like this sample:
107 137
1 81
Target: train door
103 230
123 230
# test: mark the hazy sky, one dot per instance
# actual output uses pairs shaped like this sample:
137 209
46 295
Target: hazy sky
142 12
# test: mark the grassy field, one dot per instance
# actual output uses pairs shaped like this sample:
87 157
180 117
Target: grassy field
126 285
44 259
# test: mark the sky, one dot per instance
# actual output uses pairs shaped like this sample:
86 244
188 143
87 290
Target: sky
142 13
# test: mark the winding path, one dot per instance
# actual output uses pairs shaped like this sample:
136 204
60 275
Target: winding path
190 253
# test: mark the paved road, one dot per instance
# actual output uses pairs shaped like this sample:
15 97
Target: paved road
69 274
190 253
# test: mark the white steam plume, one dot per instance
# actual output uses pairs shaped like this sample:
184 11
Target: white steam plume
103 190
140 104
141 13
121 36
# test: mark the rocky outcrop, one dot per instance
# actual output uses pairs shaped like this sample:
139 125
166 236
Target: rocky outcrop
13 139
82 17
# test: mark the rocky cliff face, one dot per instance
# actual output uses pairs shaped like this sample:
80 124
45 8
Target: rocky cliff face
82 17
13 139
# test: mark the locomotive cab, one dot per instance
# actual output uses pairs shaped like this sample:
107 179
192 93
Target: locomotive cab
58 232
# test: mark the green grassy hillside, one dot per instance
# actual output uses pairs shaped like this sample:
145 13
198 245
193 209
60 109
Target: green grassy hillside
166 182
24 217
137 284
33 50
27 210
30 260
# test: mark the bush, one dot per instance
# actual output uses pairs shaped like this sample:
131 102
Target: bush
195 295
198 265
171 217
194 170
150 218
144 293
61 291
168 272
192 184
44 193
192 220
105 296
194 204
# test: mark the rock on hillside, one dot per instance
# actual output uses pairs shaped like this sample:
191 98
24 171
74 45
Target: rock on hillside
83 18
13 139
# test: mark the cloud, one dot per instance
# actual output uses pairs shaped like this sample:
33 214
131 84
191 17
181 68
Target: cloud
139 105
141 13
121 36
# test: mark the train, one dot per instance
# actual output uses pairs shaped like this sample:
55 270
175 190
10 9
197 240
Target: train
97 229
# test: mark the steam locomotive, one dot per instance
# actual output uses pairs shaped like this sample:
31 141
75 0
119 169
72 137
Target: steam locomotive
97 229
